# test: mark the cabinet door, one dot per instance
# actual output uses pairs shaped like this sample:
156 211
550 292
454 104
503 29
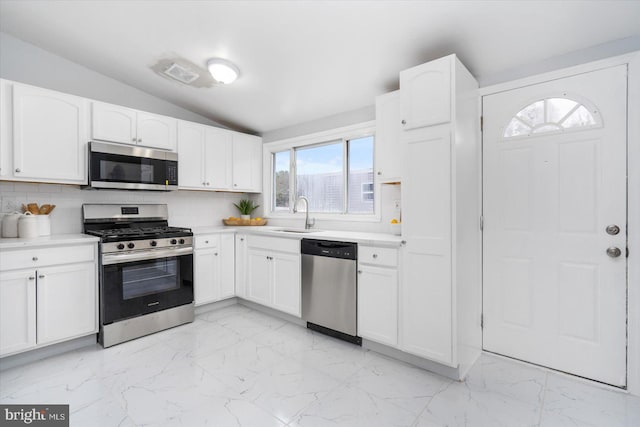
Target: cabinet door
113 123
5 127
425 94
227 266
259 276
247 163
218 154
66 302
17 311
156 131
378 304
206 267
49 135
426 221
286 283
241 265
191 140
389 156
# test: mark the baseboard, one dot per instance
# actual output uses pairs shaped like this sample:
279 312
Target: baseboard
429 365
45 352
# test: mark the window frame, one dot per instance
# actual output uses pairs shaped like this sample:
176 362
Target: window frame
332 136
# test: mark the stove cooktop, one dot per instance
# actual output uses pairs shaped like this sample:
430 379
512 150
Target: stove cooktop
137 233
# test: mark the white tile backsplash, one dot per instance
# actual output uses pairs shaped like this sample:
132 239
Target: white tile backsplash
186 208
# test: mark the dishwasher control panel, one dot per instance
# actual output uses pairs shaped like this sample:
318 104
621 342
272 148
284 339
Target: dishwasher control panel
332 249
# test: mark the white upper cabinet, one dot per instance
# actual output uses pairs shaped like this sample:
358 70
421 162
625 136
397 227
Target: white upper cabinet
127 126
212 158
49 136
389 157
425 93
6 127
191 159
218 158
247 162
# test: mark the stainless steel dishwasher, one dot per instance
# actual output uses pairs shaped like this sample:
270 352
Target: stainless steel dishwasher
329 288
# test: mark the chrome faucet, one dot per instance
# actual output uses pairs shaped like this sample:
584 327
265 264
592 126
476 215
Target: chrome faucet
307 224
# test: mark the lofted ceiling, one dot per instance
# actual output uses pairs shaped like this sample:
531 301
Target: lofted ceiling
304 60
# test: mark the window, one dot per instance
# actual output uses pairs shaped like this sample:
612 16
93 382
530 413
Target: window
336 176
551 115
281 184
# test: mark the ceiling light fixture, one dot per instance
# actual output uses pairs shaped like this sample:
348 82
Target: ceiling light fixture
223 71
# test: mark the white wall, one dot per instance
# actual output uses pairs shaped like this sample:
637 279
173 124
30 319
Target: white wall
26 63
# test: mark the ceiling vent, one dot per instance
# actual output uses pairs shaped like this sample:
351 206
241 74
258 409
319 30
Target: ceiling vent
181 74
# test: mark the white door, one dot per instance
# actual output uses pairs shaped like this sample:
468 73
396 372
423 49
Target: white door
66 302
156 131
378 304
207 275
259 279
191 140
49 135
227 266
247 162
218 159
113 123
554 289
17 311
286 283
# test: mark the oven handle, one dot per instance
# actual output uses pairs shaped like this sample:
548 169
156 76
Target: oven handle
120 258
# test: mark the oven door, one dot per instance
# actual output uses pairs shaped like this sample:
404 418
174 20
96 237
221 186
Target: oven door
134 288
131 168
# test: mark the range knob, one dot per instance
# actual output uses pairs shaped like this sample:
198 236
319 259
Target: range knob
130 245
174 241
120 246
181 241
153 243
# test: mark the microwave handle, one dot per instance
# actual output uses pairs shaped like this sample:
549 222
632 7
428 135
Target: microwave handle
119 258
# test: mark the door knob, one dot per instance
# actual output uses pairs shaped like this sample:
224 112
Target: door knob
404 122
614 252
612 229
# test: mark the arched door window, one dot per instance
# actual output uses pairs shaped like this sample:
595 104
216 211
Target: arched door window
552 115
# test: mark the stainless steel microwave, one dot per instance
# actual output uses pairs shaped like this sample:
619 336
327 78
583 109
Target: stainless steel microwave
131 168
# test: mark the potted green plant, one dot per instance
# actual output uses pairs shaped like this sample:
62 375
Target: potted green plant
245 207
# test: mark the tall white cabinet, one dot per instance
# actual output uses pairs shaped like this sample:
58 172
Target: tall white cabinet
440 302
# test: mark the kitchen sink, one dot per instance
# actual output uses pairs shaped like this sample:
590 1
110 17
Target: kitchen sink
296 230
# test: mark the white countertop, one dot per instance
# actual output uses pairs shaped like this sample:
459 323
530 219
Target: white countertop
364 238
54 239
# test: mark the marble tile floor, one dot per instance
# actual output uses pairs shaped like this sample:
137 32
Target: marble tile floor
240 367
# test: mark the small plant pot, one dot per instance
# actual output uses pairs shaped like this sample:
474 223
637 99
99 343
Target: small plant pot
247 217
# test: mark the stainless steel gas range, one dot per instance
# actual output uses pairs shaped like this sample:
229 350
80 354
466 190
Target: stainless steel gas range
146 270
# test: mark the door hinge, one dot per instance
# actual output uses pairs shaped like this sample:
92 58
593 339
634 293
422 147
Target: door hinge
482 321
481 222
481 123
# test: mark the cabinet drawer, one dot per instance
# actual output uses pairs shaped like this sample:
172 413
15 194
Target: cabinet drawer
377 256
274 244
207 241
34 258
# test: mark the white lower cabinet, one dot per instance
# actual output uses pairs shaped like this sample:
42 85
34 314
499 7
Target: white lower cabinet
378 295
213 259
273 273
44 300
